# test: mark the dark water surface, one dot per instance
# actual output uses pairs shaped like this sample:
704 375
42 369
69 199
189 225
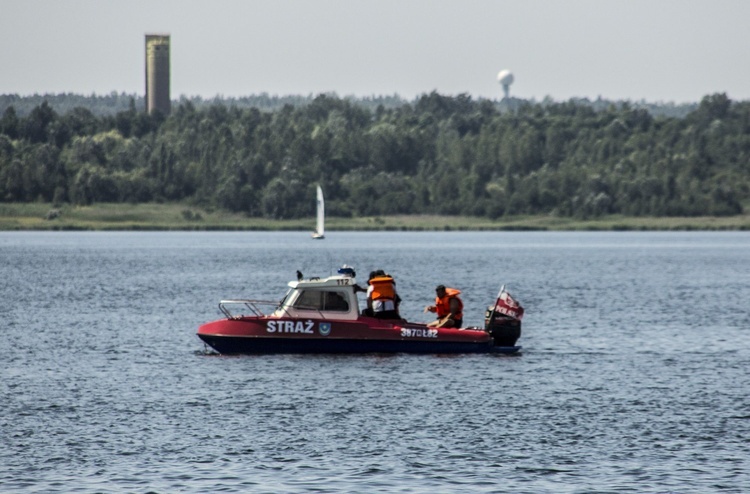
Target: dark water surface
634 375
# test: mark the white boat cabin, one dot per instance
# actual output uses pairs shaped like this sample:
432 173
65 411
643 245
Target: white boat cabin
321 298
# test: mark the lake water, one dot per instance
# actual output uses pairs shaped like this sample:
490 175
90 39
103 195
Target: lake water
634 376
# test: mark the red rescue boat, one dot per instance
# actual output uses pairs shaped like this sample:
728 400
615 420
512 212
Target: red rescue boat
321 315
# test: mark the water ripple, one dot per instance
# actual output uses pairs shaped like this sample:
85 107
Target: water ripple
105 387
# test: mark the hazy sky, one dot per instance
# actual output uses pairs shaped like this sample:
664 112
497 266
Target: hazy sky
657 50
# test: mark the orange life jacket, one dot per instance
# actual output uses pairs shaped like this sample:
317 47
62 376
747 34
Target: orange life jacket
443 305
383 288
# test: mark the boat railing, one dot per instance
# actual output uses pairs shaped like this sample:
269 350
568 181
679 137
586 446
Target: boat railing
246 307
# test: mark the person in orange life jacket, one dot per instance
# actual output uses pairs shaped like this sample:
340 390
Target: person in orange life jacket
448 307
382 299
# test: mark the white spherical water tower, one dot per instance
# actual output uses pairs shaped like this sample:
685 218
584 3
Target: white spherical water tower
505 78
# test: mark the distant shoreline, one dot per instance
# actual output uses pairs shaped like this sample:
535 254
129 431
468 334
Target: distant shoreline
182 217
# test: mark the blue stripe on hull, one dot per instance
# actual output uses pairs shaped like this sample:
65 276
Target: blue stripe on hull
229 345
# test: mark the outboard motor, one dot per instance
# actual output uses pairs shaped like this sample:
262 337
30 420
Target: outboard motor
502 320
504 330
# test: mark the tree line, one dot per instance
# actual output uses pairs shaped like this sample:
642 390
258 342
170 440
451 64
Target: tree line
435 155
114 102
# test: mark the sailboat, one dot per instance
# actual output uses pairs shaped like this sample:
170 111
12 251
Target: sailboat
320 228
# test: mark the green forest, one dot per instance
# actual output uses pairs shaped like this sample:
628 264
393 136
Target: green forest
446 155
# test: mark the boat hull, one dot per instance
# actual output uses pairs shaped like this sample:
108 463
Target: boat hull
272 336
248 345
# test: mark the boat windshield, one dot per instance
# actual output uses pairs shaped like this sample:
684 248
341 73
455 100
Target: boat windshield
286 296
322 300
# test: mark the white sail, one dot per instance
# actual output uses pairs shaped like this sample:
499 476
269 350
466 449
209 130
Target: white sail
320 228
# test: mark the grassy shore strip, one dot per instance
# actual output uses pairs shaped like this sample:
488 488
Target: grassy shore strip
40 216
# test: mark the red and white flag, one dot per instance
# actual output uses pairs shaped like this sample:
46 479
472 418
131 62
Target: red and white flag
508 306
